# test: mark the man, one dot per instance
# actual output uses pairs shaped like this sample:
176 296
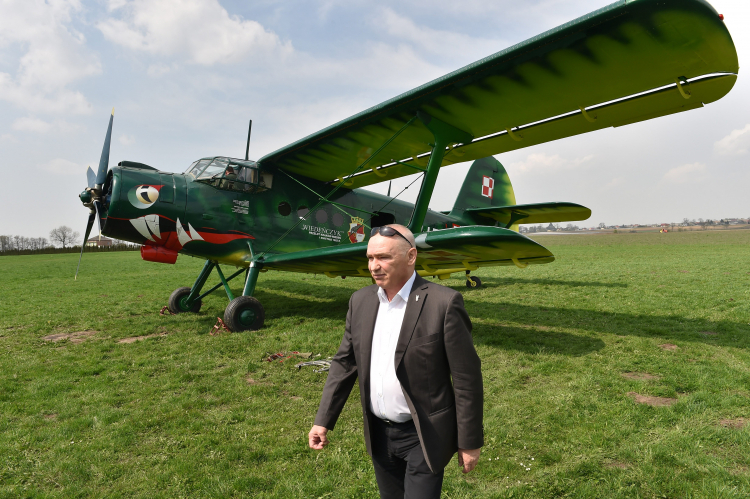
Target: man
406 338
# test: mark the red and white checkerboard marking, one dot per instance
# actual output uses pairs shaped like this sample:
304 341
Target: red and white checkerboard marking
488 186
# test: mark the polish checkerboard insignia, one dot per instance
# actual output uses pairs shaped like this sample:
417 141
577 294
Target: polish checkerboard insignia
488 186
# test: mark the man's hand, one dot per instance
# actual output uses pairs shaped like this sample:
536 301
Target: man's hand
318 438
466 458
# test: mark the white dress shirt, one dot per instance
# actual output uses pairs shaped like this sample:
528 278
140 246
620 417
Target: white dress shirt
386 397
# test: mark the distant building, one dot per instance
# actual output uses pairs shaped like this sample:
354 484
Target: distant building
99 241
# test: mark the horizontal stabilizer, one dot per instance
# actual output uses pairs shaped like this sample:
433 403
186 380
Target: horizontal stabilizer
439 252
530 213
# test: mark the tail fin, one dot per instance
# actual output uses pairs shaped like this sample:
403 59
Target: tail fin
487 198
486 184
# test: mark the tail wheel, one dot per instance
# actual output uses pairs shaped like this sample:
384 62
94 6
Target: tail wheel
178 302
244 313
473 282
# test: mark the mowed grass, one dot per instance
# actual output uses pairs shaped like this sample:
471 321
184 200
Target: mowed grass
186 414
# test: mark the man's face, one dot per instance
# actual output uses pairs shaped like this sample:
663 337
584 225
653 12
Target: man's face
391 262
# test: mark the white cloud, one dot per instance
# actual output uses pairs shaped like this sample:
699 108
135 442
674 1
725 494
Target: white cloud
6 137
545 163
64 167
36 125
53 56
689 173
127 140
202 31
158 70
734 144
31 125
440 42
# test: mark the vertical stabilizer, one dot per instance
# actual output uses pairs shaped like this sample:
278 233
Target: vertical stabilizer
486 184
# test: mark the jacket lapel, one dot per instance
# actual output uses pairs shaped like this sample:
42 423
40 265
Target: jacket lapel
417 297
369 311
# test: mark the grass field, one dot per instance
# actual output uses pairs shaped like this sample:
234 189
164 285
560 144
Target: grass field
567 349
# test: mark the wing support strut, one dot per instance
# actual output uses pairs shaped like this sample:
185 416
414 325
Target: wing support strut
445 135
343 180
340 206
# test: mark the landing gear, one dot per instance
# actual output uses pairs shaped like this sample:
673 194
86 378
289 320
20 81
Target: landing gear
244 313
473 282
178 302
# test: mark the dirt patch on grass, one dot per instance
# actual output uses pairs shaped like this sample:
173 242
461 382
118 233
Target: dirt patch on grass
651 400
739 470
669 347
640 376
617 464
50 416
77 337
709 333
133 339
734 423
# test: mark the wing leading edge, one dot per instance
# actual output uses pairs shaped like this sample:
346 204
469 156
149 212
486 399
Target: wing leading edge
630 61
440 252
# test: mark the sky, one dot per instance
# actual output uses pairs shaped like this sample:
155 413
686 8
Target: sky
184 77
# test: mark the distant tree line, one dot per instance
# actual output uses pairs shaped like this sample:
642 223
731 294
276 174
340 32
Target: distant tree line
62 239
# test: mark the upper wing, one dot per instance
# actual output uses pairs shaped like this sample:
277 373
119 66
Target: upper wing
531 213
555 85
440 252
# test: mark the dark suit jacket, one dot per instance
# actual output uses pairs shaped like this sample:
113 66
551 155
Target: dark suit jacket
434 346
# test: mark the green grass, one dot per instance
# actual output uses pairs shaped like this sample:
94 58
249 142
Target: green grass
175 415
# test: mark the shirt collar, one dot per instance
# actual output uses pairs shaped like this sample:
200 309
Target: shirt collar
403 293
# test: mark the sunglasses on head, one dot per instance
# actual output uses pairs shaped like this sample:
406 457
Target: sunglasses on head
388 232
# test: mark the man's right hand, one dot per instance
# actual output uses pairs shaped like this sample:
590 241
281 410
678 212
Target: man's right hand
317 437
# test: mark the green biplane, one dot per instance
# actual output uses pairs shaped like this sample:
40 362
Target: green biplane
301 209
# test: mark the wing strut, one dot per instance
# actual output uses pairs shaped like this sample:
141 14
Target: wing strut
445 135
343 181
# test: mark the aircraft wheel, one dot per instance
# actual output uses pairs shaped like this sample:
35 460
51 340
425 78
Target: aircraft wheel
177 304
473 282
244 313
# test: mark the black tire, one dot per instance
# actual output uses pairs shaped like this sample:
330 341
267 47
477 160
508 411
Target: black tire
244 313
177 303
473 282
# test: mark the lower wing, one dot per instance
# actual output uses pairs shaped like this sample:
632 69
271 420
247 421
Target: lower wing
440 252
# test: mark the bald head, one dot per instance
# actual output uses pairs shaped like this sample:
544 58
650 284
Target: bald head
404 231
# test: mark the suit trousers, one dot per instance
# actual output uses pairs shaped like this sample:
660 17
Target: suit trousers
400 466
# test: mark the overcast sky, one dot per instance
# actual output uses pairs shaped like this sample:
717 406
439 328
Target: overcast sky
184 77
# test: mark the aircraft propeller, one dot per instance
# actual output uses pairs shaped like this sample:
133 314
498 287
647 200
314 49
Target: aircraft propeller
91 197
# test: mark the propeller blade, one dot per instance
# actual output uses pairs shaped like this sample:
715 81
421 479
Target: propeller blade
104 161
89 225
91 177
389 189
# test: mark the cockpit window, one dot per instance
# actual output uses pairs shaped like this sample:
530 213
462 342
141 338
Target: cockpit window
231 174
197 167
217 167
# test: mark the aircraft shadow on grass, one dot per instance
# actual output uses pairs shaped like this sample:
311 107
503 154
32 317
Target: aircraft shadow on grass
538 335
507 281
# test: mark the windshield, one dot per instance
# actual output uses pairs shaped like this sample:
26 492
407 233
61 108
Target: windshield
197 167
217 167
